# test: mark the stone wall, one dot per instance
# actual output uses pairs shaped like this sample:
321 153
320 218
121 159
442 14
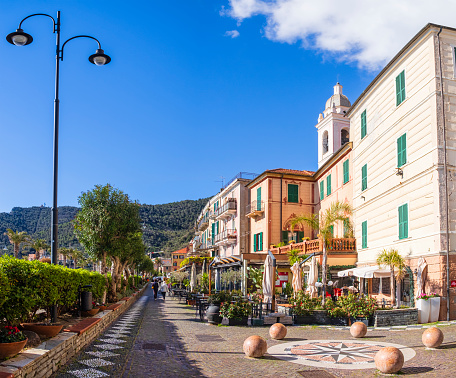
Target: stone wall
397 317
46 359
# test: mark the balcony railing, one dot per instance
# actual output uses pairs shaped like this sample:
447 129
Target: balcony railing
337 245
254 209
226 237
226 210
203 222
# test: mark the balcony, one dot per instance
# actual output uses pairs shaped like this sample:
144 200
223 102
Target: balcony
337 245
226 210
203 223
226 237
255 209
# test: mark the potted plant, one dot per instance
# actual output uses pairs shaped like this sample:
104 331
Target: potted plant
337 315
237 313
424 307
434 313
12 341
302 306
213 311
359 308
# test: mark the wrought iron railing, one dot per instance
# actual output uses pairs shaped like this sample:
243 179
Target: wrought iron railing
255 206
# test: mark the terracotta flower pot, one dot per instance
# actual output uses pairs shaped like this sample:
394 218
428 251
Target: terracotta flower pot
43 330
102 308
91 312
11 349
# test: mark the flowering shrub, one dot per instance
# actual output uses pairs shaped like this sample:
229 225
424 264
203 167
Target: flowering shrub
237 310
302 304
357 306
10 334
427 296
333 310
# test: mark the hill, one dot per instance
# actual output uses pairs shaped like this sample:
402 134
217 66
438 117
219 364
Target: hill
166 227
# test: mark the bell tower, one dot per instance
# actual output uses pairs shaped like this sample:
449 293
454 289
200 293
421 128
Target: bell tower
333 127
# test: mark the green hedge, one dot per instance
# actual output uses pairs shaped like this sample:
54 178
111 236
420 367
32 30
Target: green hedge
27 286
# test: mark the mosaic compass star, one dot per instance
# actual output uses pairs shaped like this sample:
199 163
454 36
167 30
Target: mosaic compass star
337 352
334 354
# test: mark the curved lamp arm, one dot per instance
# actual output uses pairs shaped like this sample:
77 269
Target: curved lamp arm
40 14
78 36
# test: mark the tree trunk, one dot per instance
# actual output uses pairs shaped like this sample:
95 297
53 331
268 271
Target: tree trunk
16 250
393 292
115 270
105 272
37 255
323 273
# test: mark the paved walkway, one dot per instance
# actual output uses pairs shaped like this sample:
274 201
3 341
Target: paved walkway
165 339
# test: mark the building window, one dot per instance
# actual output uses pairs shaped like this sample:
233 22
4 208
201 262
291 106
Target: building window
400 88
322 190
403 221
363 125
259 198
364 234
175 264
364 177
328 185
401 150
325 142
258 242
293 195
344 137
346 171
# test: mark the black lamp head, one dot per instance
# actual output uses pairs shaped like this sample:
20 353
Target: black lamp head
19 38
99 58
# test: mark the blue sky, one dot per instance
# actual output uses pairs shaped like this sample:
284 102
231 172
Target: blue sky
181 104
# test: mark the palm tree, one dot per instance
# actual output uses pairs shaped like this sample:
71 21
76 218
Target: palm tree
65 252
39 246
17 238
393 260
324 225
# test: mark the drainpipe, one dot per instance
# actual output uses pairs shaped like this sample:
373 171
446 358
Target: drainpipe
281 233
447 234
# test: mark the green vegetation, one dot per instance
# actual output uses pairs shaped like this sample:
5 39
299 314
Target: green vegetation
166 227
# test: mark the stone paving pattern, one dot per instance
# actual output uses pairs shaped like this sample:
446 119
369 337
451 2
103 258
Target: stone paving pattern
170 341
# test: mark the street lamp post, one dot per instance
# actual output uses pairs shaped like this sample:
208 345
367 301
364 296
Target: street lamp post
20 38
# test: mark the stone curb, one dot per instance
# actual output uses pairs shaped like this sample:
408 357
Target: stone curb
46 358
392 328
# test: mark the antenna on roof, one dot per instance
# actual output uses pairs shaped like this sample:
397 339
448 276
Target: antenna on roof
222 181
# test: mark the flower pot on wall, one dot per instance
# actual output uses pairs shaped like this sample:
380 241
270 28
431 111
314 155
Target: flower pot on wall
11 349
43 330
434 310
424 308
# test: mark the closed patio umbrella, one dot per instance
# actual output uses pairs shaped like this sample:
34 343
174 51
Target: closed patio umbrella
297 279
193 277
268 280
421 276
313 276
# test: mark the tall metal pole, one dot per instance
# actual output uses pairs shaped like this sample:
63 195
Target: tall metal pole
54 211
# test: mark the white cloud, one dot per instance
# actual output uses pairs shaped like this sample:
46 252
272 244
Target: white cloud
232 33
364 31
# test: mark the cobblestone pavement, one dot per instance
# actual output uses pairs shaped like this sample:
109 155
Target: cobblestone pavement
168 340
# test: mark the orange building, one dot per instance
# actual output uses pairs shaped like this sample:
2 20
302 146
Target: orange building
177 257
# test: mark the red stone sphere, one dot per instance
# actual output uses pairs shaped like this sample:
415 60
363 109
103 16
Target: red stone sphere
389 360
255 346
432 337
278 331
358 329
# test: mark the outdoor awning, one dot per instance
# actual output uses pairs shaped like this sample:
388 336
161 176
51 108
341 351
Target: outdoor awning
365 272
228 261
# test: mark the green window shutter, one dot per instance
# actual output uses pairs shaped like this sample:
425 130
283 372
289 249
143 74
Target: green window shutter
213 232
328 185
285 237
364 177
364 234
400 88
293 195
259 194
403 221
300 236
346 171
332 230
218 225
363 124
401 150
322 190
346 227
254 242
261 241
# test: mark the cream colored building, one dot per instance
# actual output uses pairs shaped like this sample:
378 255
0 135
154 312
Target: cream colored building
403 129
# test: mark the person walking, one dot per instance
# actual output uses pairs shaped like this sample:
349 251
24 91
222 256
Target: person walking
164 289
155 287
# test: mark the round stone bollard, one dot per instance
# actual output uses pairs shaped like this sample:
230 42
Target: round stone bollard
432 337
358 329
255 346
278 331
389 360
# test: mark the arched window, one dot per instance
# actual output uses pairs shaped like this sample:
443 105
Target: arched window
344 136
325 142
